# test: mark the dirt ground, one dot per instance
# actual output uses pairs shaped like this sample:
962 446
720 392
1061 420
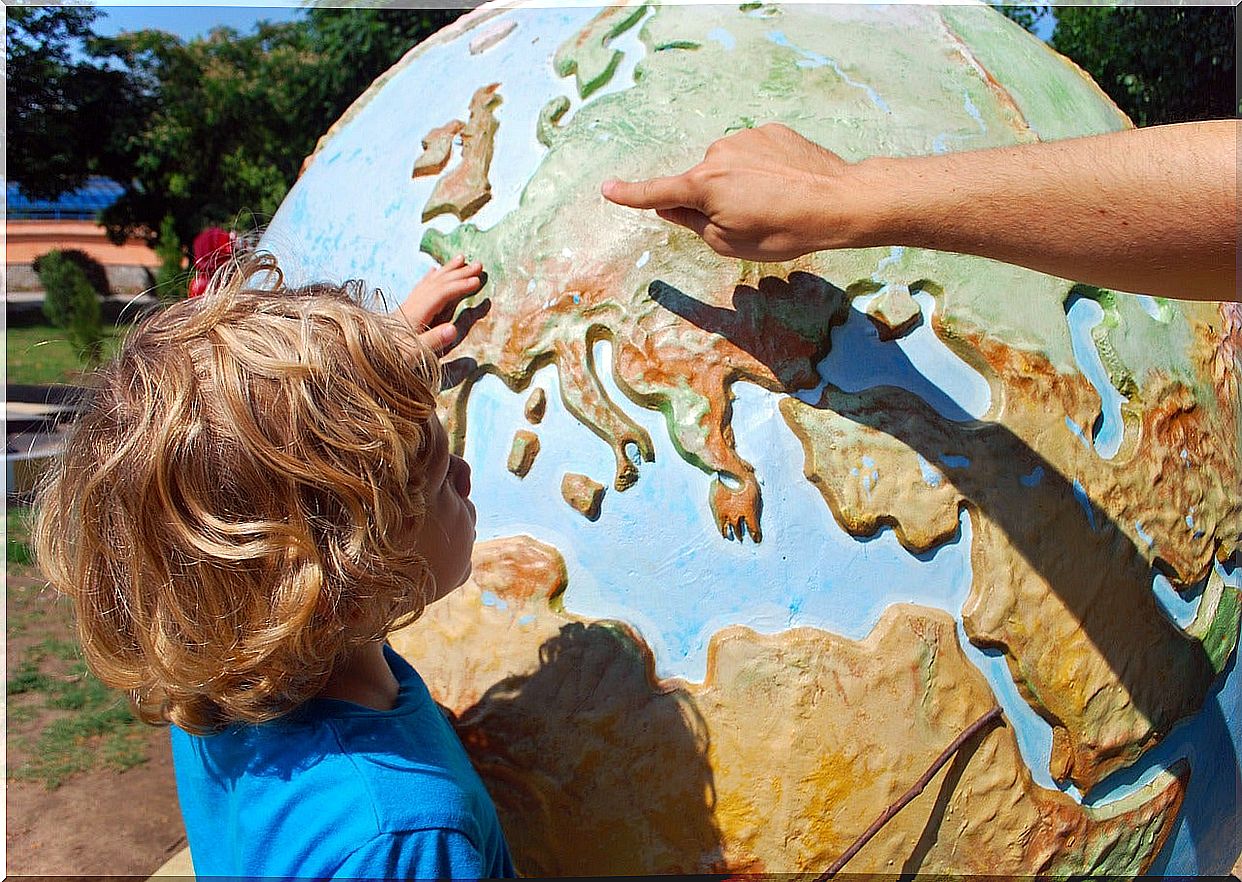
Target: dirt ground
90 802
97 823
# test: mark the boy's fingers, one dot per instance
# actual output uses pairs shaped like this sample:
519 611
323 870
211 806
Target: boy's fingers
439 338
466 271
444 302
451 289
461 287
451 265
423 310
669 192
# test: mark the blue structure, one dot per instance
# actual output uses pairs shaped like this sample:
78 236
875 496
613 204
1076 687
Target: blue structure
85 203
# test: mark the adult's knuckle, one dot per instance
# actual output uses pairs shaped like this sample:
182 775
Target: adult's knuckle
701 176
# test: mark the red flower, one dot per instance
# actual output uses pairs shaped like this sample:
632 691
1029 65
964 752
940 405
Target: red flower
212 249
198 284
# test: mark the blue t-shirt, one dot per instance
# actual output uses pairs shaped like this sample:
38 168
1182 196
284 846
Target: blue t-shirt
340 790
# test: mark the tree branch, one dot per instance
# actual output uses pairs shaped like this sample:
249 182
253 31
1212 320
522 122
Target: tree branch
983 722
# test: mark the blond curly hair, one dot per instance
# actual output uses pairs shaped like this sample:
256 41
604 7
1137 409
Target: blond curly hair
235 511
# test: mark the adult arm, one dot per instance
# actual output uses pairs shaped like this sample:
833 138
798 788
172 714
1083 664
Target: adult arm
1151 210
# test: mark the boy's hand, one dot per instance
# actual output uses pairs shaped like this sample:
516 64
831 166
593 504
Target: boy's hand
438 292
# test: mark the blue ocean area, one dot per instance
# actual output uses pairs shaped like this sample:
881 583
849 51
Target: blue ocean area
676 580
1083 315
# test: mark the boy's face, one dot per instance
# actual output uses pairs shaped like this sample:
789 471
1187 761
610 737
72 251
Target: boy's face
447 535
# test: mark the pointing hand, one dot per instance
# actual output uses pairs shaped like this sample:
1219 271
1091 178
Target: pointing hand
759 194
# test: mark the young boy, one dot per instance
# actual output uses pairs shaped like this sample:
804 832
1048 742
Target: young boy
259 492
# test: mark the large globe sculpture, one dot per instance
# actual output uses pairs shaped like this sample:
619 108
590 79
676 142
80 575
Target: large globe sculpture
758 541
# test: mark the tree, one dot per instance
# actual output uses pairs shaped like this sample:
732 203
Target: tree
66 119
224 134
94 270
198 132
1160 64
173 278
234 115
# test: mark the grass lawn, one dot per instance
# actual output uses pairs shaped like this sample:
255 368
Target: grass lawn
62 721
40 354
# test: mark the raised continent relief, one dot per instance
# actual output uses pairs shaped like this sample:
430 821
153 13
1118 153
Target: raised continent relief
536 406
465 189
976 486
1056 552
894 312
588 55
570 729
583 495
683 328
523 452
437 148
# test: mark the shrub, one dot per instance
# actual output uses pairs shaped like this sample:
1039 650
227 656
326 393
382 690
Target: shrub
69 302
173 279
95 272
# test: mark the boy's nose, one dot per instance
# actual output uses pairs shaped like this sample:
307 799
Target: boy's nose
461 476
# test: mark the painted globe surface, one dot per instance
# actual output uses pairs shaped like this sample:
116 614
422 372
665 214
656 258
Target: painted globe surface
758 541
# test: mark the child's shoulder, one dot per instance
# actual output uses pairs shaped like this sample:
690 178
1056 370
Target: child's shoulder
406 763
358 776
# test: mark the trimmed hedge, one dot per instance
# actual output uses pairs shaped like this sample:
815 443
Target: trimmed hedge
72 303
95 272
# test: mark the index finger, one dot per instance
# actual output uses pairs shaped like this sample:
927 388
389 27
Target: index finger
674 191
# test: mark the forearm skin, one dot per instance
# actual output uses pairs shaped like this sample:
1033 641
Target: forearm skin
1151 211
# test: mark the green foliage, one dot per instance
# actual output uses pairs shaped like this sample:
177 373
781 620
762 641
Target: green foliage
69 113
198 132
1160 64
172 280
41 93
71 303
233 115
95 272
222 136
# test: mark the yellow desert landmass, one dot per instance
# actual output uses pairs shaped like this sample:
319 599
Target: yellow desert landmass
790 748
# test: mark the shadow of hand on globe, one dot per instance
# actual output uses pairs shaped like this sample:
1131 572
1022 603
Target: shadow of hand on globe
580 752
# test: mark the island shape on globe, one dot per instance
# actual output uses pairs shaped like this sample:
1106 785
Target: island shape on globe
758 541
